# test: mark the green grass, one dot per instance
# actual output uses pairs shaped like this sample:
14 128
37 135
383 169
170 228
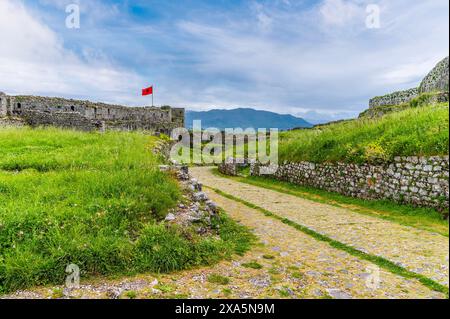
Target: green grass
97 201
218 279
253 265
131 294
421 218
379 261
415 131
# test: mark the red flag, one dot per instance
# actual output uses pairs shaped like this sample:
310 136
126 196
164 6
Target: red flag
147 91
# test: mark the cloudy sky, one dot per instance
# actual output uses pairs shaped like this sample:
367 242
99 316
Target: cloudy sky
288 56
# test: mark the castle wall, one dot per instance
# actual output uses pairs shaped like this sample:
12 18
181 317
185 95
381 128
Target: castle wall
3 110
395 98
437 79
436 82
86 115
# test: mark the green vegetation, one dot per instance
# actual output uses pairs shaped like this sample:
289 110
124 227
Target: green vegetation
297 275
253 265
415 131
284 292
218 279
97 201
57 293
418 217
380 261
423 99
131 294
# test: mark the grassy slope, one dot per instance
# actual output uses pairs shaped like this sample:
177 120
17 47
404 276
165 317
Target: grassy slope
94 200
417 131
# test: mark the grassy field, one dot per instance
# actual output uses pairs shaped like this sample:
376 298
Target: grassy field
94 200
416 131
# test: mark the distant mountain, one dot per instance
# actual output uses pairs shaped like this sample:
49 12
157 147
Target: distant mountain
315 118
245 118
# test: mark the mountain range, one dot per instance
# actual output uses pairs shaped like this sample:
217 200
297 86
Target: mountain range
245 118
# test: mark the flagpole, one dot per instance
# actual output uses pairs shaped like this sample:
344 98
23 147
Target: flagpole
153 93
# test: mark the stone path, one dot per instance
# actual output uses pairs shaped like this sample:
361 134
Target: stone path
417 250
293 265
287 263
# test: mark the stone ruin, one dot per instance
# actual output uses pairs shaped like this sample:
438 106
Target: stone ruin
436 82
88 116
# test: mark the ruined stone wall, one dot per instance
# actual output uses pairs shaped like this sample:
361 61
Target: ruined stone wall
11 122
3 110
395 98
421 181
60 119
230 169
86 115
437 79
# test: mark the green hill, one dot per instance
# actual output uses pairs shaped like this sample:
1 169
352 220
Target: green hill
414 131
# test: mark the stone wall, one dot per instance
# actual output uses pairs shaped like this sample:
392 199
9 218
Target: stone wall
420 181
88 115
228 168
395 98
11 122
60 119
437 79
3 109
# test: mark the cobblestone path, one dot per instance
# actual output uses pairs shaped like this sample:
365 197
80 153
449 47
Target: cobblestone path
419 251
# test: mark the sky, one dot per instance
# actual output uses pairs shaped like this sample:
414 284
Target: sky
316 59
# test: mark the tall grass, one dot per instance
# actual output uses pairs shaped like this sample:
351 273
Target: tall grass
416 131
95 200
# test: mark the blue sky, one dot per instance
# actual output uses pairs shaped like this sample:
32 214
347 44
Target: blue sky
288 56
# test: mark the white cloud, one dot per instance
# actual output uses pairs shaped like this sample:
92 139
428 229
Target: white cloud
279 56
317 67
33 60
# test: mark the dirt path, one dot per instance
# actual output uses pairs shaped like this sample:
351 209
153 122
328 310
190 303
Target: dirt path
293 265
419 251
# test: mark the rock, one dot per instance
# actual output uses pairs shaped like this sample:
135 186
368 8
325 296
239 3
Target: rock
260 282
338 294
163 168
170 217
212 206
114 293
200 197
195 218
